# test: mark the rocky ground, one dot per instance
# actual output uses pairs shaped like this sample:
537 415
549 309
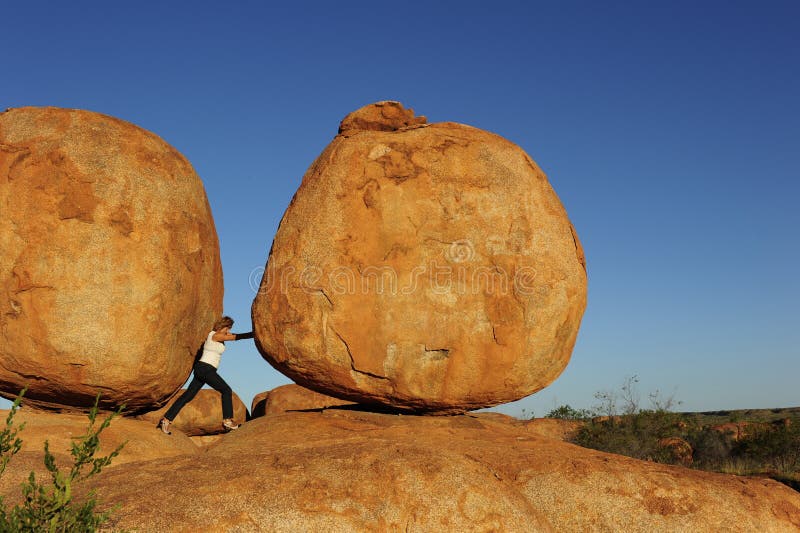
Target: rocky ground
342 469
201 416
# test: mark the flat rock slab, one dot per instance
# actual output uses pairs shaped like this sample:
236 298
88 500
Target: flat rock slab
143 441
342 470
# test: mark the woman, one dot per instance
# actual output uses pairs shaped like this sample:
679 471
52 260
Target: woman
205 372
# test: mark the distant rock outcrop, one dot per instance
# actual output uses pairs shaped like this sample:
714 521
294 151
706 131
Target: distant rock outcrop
551 428
744 429
291 398
110 274
201 416
344 470
554 428
426 267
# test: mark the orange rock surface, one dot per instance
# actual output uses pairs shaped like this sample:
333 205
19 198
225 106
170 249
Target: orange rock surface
142 440
427 267
201 416
554 428
344 470
110 274
291 398
382 116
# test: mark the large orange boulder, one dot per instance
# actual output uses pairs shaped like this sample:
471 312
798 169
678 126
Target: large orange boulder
291 398
110 274
201 416
427 267
343 470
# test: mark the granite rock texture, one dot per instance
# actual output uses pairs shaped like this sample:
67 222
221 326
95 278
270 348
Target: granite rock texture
110 275
142 441
343 470
424 267
291 398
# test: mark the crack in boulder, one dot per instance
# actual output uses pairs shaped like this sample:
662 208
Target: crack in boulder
437 354
352 359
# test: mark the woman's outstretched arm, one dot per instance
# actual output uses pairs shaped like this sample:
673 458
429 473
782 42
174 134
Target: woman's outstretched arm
225 335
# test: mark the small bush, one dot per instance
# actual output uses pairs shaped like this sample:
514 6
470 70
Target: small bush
10 443
712 448
566 412
636 435
775 448
51 506
758 447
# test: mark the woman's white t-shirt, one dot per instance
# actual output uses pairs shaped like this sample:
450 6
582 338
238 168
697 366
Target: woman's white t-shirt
212 351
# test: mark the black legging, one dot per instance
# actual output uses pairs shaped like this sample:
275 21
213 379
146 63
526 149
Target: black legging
204 374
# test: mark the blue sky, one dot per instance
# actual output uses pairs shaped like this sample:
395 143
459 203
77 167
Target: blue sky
670 131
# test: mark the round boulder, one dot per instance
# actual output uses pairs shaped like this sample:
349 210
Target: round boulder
428 268
110 273
291 397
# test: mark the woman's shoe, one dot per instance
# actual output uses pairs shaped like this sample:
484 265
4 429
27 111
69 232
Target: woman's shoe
229 425
163 425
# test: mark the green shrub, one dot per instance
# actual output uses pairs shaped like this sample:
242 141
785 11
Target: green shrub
10 443
619 426
51 506
712 448
774 447
635 435
566 412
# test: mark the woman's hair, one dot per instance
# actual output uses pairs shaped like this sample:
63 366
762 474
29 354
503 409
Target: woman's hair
224 322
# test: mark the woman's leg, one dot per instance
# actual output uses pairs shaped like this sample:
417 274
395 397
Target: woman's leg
186 397
217 383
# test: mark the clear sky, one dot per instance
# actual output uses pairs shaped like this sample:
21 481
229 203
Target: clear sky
670 130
